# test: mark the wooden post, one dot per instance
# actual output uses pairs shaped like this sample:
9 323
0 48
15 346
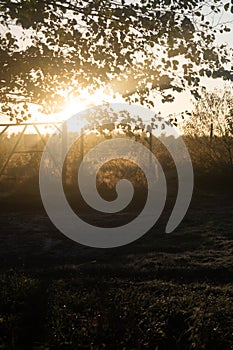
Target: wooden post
64 150
211 131
81 146
151 149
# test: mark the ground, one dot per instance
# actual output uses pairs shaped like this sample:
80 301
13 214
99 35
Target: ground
164 291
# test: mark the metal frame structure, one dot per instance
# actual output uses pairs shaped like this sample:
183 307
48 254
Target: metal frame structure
6 126
62 131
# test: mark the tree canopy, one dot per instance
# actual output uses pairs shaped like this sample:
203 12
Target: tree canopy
135 48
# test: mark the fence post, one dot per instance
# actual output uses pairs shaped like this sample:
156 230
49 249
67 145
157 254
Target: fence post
64 149
81 145
151 148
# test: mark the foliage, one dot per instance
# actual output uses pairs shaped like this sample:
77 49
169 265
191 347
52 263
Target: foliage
132 48
211 126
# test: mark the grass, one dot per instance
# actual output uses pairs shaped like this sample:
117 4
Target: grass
78 310
162 292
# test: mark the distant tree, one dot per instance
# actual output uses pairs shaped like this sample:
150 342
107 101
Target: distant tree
211 123
135 48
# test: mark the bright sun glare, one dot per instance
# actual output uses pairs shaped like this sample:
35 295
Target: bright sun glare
84 101
73 106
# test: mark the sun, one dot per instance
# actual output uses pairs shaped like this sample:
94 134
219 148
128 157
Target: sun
72 106
84 101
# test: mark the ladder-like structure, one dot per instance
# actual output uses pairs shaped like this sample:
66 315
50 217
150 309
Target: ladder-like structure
35 125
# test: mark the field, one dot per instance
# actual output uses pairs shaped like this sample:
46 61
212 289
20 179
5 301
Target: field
161 292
